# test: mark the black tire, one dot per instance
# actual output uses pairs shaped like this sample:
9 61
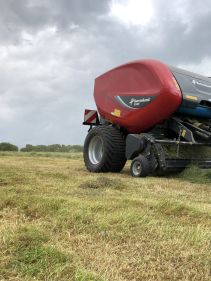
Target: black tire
104 150
140 167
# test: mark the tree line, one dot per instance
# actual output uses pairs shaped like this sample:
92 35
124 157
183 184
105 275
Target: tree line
6 146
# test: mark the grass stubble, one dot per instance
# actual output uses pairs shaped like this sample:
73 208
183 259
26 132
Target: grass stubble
60 222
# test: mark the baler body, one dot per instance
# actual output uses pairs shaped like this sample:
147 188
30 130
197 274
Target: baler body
196 93
142 107
141 94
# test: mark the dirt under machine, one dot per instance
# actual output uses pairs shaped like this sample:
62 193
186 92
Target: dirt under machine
141 107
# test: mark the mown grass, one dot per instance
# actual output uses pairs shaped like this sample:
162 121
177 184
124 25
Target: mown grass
60 222
71 155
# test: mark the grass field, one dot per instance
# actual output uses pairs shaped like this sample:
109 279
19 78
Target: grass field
60 222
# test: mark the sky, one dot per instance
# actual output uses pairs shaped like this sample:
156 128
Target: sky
51 51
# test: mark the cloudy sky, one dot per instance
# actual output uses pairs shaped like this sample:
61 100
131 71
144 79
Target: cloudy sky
51 51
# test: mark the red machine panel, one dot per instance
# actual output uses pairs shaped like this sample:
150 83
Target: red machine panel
137 95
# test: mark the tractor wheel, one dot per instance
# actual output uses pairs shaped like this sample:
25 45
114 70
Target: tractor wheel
104 150
140 167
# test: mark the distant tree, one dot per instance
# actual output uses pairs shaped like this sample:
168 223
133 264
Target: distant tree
6 146
77 148
52 148
27 148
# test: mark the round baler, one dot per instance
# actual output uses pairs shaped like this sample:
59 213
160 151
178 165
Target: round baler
141 106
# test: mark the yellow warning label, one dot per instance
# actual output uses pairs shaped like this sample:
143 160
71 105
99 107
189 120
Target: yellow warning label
116 112
183 133
191 97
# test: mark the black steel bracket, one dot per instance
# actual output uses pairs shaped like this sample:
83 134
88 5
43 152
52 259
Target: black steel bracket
146 145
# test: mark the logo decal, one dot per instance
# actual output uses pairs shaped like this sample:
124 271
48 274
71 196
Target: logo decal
134 102
200 84
137 102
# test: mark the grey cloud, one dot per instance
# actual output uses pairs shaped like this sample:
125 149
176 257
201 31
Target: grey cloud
32 16
184 27
51 51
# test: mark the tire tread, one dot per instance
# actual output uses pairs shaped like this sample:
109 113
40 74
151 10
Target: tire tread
114 150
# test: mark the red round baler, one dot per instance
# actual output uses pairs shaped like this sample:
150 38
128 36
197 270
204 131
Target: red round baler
143 105
137 95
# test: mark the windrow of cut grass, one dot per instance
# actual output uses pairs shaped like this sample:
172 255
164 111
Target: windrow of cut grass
60 222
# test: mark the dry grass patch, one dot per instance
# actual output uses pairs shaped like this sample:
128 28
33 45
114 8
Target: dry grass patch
103 182
60 222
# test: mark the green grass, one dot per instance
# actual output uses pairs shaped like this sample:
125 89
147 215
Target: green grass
60 222
71 155
33 257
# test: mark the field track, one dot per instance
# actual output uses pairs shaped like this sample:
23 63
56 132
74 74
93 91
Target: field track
60 222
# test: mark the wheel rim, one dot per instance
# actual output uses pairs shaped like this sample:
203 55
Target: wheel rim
95 150
136 168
